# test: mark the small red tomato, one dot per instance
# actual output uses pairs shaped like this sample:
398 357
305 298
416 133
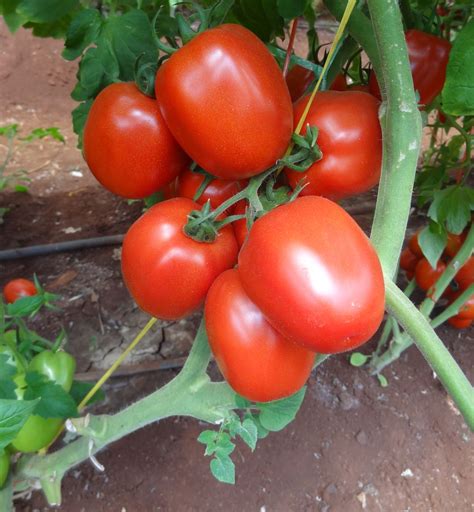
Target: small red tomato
217 191
167 273
226 102
359 87
454 243
459 323
339 83
18 288
414 245
465 275
314 274
350 140
298 80
466 311
428 55
426 275
171 190
240 226
254 358
408 260
127 144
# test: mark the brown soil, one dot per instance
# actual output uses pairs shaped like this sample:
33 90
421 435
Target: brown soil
354 445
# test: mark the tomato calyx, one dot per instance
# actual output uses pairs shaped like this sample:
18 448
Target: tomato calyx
305 152
144 75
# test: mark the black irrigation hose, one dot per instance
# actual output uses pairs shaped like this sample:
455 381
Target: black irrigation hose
72 245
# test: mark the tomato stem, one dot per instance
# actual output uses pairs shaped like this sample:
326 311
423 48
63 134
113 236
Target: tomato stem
289 50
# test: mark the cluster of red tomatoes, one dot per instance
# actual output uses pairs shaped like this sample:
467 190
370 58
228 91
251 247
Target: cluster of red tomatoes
307 278
415 265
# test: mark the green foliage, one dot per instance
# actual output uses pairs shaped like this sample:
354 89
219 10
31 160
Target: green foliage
80 389
358 359
457 94
432 240
262 17
13 415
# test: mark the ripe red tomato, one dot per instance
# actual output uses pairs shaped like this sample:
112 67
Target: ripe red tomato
408 260
350 140
218 191
240 226
224 98
426 276
18 288
127 144
167 273
359 87
339 83
459 323
298 80
428 56
257 362
314 274
465 275
414 245
467 309
454 243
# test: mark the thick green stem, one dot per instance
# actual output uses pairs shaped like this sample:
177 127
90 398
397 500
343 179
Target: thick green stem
401 131
431 346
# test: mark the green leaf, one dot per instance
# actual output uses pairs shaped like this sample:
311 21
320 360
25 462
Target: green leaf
382 380
7 371
55 402
458 91
249 433
9 130
45 11
290 9
21 188
13 415
13 19
358 359
223 469
260 16
452 206
79 118
432 240
79 390
41 133
81 33
224 446
275 416
241 402
25 306
208 437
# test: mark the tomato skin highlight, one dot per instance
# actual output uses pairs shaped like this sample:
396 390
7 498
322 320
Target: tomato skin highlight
298 80
217 192
408 260
224 99
166 272
127 145
257 362
350 139
18 288
322 291
428 55
426 276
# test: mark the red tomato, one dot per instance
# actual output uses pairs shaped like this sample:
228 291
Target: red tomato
465 275
225 100
426 275
408 260
359 87
256 361
454 243
339 83
314 274
414 245
466 311
428 56
459 323
171 190
298 80
350 140
18 288
218 191
127 144
240 226
167 273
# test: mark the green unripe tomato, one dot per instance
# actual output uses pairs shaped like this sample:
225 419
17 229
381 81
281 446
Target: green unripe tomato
4 468
57 366
36 433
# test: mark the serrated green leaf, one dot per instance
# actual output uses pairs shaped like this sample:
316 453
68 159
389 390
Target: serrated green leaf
290 9
207 437
54 403
13 415
358 359
432 240
452 207
79 118
79 390
457 94
382 380
275 416
248 431
223 469
45 11
241 402
82 32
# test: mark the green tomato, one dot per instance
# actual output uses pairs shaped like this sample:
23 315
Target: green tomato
36 433
4 468
57 366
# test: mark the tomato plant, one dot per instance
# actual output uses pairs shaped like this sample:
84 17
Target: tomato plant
254 358
156 251
127 145
350 140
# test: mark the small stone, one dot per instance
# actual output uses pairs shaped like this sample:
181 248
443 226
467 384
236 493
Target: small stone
329 491
348 401
361 437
